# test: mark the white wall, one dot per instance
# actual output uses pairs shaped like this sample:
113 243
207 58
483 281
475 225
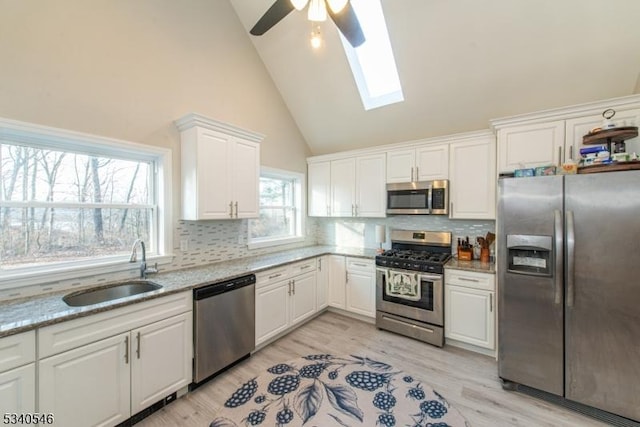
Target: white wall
128 69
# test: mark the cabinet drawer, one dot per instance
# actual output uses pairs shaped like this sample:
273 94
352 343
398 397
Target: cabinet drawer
360 264
74 333
302 267
17 350
273 275
470 279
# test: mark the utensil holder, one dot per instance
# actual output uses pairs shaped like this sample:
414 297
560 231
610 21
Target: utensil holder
465 254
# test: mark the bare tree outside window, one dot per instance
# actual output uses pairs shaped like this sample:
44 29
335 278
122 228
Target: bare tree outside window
58 206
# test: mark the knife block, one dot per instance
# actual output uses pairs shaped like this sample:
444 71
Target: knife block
465 254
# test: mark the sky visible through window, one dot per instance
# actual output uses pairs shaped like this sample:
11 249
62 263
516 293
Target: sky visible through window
373 64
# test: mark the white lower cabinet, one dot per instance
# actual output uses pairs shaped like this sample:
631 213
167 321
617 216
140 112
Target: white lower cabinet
105 381
337 281
284 297
352 285
470 311
322 283
361 287
18 373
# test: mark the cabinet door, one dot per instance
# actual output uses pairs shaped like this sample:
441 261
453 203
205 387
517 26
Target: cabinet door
343 187
322 283
303 297
89 385
319 188
473 179
245 178
432 162
161 355
529 146
361 293
400 165
371 197
272 310
213 176
337 281
18 390
576 129
470 316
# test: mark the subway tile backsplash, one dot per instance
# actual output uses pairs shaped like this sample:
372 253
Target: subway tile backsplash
212 241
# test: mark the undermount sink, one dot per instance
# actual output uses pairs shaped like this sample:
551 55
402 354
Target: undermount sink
110 293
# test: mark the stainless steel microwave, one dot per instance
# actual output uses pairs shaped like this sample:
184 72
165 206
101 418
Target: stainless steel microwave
418 198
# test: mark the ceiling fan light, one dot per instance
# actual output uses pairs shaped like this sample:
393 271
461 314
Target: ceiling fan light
316 38
317 11
299 4
337 5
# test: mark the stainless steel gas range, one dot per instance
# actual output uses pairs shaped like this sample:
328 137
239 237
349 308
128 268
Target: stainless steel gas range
409 285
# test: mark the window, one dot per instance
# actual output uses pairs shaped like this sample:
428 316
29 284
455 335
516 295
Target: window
372 63
70 201
281 213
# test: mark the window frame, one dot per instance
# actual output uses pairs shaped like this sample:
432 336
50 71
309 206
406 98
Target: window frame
13 131
300 193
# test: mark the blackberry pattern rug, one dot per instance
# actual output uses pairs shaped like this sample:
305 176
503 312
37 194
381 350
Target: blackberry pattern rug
326 390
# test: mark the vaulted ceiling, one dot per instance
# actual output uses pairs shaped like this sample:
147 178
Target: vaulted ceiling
461 63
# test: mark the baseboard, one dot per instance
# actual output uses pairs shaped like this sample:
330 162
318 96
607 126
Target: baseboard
471 347
356 316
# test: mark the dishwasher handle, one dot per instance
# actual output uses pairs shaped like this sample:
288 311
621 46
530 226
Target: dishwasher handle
218 288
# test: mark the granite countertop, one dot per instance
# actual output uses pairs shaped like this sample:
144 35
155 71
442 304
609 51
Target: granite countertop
25 314
477 266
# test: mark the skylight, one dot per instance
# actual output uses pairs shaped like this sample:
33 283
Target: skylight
372 64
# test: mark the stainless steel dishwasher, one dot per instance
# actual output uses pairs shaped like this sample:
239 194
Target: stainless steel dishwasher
224 325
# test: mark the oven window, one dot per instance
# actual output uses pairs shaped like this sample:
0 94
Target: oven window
424 287
413 199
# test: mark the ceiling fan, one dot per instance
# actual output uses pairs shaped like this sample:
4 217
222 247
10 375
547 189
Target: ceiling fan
340 11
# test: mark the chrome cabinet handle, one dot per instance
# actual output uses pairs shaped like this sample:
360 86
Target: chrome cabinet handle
319 264
289 287
126 350
417 174
360 264
466 279
571 243
236 205
346 277
293 282
558 232
571 152
138 346
411 173
356 205
560 156
273 276
491 303
231 209
305 267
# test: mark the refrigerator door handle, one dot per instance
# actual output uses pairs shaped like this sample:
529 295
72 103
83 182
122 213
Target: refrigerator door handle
571 244
558 233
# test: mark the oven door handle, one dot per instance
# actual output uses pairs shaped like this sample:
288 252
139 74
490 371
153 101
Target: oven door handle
432 277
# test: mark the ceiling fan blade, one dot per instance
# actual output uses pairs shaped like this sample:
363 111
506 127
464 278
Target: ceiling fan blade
272 16
348 24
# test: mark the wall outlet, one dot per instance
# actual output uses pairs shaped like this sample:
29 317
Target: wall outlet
184 245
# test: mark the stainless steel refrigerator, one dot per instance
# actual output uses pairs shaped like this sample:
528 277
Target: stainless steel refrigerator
569 288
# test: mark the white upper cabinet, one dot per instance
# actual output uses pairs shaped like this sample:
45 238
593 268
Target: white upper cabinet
220 169
424 163
343 187
528 146
348 187
319 189
371 191
472 193
552 137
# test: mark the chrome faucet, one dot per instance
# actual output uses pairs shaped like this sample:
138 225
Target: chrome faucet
143 264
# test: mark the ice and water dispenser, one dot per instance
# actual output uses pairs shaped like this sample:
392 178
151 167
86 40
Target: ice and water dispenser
531 255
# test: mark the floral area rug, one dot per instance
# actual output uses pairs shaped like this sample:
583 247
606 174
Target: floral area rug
324 390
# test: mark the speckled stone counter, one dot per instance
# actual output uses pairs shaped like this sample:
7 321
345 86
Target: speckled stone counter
26 314
477 266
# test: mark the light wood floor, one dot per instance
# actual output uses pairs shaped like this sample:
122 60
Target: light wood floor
467 380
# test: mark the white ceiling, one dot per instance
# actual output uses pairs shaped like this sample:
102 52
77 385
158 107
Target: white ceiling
461 63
